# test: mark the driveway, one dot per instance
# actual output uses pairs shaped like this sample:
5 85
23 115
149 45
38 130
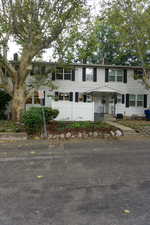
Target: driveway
88 183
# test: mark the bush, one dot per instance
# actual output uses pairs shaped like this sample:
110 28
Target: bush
33 118
50 113
4 100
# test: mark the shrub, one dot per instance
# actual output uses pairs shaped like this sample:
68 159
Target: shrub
4 100
33 118
50 113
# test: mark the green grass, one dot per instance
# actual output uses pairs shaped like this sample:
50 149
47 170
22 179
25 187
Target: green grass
135 124
10 126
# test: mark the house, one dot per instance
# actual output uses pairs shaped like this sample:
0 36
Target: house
90 91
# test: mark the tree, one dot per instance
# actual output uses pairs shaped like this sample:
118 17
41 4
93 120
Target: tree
130 19
35 25
109 49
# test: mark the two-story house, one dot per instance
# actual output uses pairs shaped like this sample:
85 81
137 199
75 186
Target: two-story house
89 91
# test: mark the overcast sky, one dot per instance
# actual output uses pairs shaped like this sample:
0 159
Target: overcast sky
13 48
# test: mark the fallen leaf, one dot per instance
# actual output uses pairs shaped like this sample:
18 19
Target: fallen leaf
40 177
33 152
126 211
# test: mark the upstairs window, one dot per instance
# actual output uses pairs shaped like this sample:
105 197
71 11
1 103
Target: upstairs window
115 75
63 74
89 74
138 74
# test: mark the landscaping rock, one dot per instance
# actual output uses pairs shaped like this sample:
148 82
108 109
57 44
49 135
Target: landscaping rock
68 135
79 135
112 133
95 134
118 133
90 134
62 136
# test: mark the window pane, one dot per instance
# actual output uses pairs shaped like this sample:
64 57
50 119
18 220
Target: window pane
59 70
59 73
89 71
132 100
111 75
111 78
119 78
140 98
119 72
67 76
132 103
89 74
63 96
111 72
59 76
132 97
140 103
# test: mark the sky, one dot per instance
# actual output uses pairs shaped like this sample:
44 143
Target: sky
13 48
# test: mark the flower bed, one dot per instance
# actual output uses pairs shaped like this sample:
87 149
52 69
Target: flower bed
69 130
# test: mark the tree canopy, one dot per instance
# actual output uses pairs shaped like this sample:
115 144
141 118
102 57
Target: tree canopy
35 25
130 19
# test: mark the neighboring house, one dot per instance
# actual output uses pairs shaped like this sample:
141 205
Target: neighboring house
89 91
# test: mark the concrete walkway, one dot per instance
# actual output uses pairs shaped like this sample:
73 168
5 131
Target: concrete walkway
126 130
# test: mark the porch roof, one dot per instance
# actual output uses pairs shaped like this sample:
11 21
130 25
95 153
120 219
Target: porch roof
104 89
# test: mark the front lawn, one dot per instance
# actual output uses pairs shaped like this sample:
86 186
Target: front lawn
135 124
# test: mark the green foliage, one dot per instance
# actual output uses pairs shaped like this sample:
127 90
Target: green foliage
50 113
130 20
10 126
33 118
4 100
77 125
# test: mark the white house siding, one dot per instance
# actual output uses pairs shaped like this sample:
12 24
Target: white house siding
85 111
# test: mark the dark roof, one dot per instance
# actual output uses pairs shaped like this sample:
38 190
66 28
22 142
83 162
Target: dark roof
84 65
94 65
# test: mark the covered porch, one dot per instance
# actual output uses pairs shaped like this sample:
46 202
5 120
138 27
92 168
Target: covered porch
105 101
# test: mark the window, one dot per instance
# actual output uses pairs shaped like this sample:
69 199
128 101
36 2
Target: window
138 74
119 98
115 75
59 73
140 100
36 99
89 74
63 96
63 73
132 99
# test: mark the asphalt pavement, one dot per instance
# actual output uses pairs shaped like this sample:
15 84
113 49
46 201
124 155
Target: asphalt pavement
95 182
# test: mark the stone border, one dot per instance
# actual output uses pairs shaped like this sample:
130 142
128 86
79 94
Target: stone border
57 139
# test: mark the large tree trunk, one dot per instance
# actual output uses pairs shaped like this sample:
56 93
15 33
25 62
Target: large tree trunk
18 104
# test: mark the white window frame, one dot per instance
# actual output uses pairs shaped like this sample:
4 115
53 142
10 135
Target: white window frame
132 98
140 101
63 73
65 96
89 74
114 74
